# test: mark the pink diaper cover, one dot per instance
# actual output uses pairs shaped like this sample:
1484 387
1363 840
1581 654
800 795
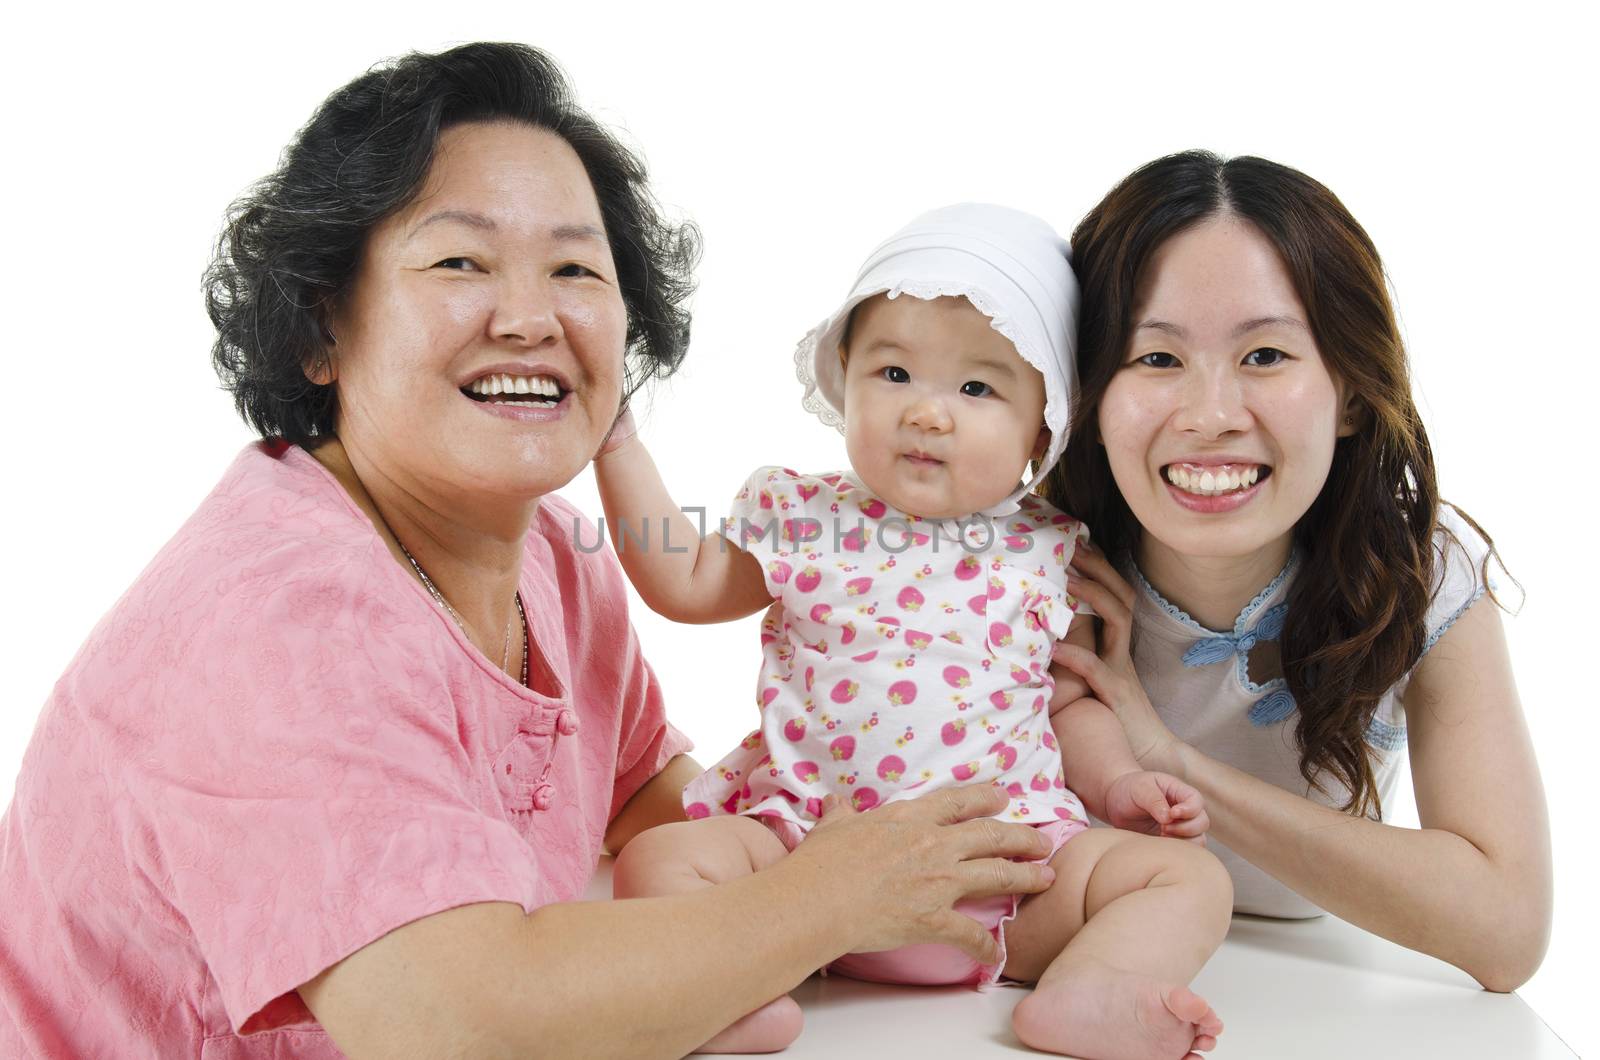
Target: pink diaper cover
935 964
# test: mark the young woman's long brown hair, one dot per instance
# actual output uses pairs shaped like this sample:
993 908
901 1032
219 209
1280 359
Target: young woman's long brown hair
1357 609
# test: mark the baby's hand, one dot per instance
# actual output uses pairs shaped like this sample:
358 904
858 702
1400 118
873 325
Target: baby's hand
1157 804
622 431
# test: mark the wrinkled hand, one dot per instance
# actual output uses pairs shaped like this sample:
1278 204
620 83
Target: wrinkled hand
1110 674
1157 804
900 868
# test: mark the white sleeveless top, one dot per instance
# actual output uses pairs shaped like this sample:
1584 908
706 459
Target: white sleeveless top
1198 681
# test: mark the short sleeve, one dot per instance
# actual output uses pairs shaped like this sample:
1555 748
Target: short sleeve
301 788
1459 578
771 518
1054 539
647 740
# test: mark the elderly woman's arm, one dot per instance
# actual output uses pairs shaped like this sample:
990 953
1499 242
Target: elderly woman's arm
1472 886
659 976
659 801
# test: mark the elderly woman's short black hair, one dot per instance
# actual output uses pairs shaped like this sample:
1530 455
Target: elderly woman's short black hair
292 244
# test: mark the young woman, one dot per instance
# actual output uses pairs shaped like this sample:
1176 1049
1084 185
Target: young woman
1288 608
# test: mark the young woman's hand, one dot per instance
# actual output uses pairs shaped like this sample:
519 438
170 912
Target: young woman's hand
1110 674
1156 804
901 868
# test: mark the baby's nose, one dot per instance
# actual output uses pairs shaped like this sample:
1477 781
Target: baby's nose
929 414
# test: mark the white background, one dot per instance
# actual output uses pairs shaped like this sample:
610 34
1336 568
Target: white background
1464 142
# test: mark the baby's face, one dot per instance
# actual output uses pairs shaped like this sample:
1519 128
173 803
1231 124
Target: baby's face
941 414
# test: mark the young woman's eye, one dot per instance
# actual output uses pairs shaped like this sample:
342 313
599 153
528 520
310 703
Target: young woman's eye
1158 359
976 389
895 374
459 264
1265 357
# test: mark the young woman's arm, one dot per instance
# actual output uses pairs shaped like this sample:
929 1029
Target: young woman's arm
1472 886
658 976
678 573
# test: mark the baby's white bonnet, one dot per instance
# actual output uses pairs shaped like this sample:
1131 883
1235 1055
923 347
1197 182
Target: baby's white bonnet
1010 265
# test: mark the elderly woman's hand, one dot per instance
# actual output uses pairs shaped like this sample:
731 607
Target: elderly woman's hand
903 866
1110 674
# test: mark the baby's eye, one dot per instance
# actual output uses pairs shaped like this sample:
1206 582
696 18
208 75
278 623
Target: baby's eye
1265 357
895 374
459 264
1159 359
974 388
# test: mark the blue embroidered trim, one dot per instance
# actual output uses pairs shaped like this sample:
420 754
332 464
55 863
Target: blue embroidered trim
1216 648
1264 595
1244 616
1385 737
1433 638
1272 708
1161 601
1213 647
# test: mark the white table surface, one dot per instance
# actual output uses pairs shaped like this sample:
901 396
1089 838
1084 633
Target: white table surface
1286 990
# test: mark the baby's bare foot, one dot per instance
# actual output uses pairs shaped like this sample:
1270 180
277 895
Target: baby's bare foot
1102 1013
768 1029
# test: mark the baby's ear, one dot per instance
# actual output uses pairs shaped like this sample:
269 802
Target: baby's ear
1040 444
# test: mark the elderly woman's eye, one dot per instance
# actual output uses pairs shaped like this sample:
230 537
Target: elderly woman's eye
976 389
462 264
1158 359
574 269
1265 357
895 374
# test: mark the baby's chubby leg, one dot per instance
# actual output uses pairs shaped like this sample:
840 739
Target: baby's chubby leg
689 856
1113 945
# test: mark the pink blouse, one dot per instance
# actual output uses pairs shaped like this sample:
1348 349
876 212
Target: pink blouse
276 748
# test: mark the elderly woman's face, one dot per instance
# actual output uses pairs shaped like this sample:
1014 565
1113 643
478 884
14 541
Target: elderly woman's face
479 349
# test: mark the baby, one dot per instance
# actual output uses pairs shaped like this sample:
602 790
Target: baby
912 604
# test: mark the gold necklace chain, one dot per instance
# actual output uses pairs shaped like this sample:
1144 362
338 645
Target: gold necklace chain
522 616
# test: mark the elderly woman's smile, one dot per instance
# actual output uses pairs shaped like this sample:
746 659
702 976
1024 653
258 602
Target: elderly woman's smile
532 390
481 342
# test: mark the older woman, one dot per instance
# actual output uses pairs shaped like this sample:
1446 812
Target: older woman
337 765
1289 607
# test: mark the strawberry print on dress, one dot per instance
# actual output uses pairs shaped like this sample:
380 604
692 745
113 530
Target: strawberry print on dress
900 654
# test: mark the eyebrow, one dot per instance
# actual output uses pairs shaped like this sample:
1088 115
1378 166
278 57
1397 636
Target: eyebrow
999 368
565 233
1255 324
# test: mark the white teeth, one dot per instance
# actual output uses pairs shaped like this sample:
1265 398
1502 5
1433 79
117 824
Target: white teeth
1213 481
494 385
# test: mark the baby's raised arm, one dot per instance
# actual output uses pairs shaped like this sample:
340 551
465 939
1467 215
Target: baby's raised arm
678 573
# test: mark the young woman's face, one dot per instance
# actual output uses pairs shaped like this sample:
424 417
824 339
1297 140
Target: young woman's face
1220 425
941 413
499 272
